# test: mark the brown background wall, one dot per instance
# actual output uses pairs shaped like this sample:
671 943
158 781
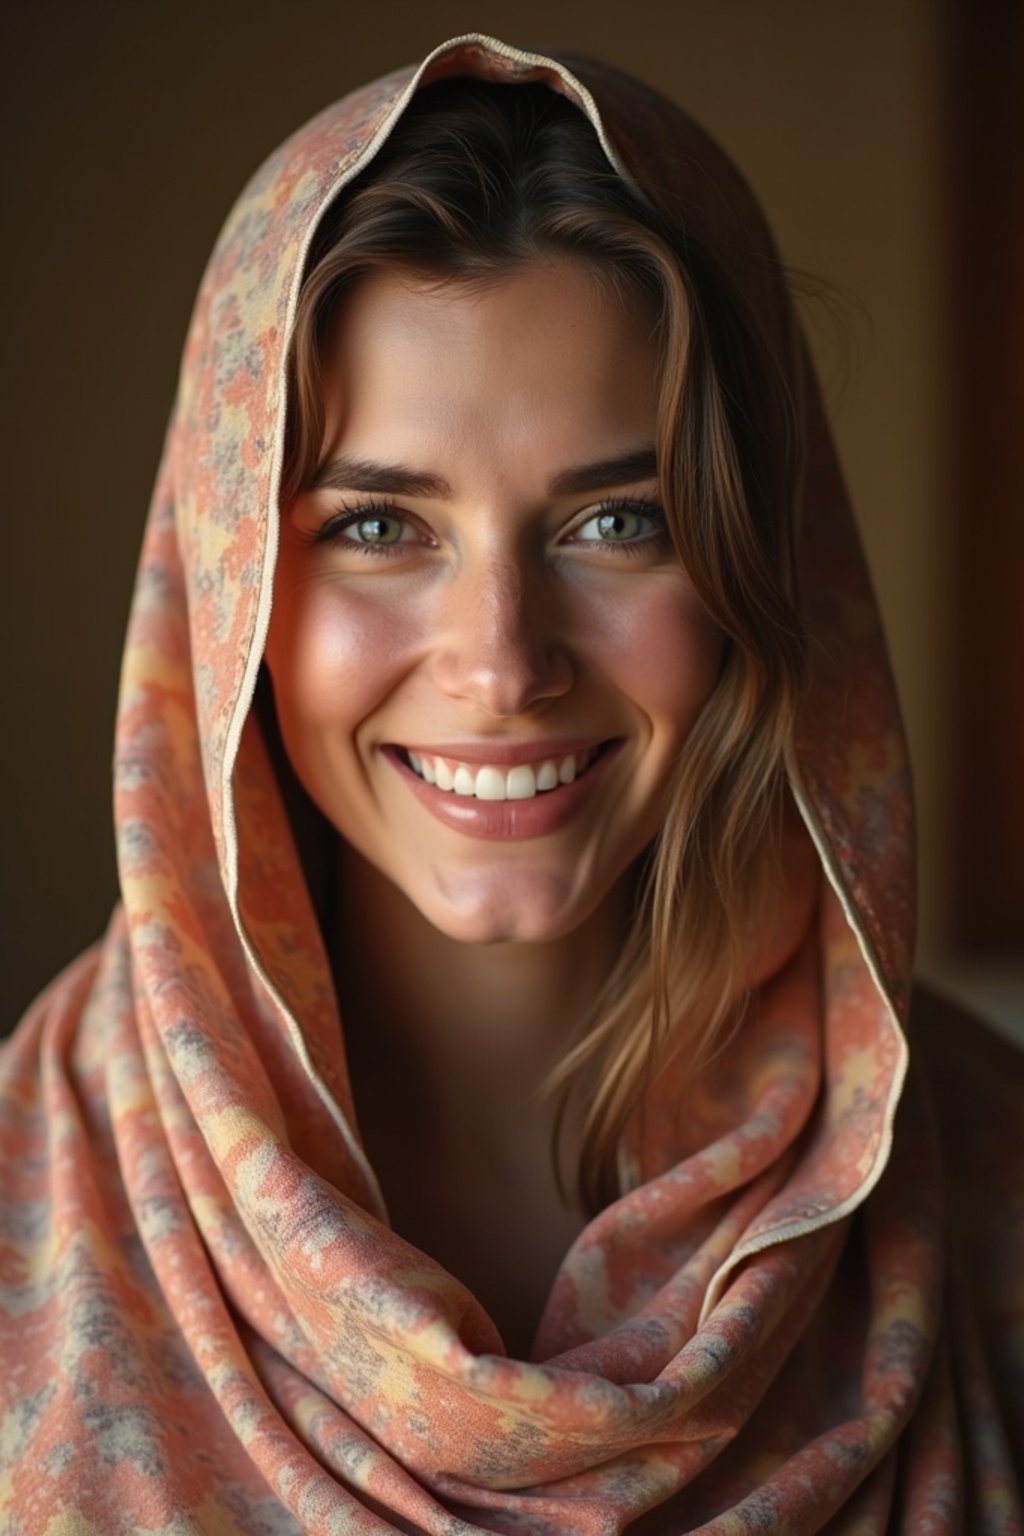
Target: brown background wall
135 125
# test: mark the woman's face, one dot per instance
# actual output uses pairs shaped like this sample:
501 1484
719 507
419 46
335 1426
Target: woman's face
485 655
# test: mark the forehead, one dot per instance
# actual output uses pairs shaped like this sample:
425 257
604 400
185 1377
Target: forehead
545 363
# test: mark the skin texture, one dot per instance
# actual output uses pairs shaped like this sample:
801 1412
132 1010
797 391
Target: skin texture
498 618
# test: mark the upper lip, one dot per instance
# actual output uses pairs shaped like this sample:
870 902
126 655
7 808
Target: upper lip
504 753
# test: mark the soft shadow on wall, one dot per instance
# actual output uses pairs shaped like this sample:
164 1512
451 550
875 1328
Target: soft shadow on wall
136 128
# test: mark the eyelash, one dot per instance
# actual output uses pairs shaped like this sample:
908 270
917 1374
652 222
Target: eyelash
331 531
335 526
652 510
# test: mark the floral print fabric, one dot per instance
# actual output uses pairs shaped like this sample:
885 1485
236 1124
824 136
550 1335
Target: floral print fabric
800 1316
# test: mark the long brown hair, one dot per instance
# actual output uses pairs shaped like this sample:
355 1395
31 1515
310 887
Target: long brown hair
475 180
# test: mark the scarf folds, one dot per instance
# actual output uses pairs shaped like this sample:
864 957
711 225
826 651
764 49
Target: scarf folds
799 1316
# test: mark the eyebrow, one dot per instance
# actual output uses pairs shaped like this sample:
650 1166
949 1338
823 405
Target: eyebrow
638 464
352 474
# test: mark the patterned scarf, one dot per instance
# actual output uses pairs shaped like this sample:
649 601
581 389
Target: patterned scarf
800 1315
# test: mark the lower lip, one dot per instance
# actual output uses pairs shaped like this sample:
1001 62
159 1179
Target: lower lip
506 819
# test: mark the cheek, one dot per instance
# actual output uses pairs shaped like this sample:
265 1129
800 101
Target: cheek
332 656
663 651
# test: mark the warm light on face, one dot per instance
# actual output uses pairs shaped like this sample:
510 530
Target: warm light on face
479 590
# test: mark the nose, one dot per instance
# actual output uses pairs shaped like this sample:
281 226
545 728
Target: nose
498 645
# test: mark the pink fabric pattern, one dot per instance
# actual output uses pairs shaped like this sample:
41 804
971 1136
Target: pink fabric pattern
806 1311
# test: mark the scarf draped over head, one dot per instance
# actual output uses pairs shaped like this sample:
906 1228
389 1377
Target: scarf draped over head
208 1324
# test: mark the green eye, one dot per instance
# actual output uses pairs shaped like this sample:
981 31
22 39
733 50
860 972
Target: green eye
613 526
621 525
371 529
377 529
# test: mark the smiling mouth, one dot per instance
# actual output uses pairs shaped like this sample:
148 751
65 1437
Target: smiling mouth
486 781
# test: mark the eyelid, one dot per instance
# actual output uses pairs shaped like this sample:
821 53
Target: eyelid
645 506
347 515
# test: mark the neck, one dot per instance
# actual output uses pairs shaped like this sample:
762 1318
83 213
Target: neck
467 1030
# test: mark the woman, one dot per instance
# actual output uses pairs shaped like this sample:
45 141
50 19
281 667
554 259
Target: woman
503 668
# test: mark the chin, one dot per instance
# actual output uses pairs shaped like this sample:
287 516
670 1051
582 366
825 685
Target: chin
505 910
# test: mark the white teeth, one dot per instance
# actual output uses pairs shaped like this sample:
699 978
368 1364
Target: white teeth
547 776
490 784
522 782
464 783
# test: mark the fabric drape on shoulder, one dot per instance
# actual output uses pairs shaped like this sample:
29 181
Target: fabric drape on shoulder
804 1312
